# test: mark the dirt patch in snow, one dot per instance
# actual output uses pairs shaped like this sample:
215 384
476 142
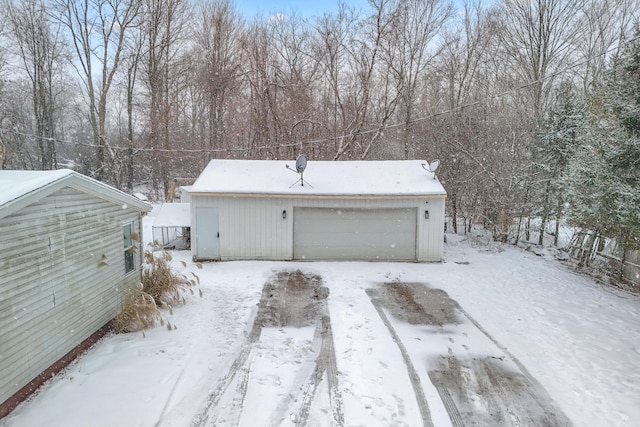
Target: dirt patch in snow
482 391
292 298
415 303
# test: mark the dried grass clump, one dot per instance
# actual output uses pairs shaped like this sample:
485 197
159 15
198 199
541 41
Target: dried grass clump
161 287
159 281
139 312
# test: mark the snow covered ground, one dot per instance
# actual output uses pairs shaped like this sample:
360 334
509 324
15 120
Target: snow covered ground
528 315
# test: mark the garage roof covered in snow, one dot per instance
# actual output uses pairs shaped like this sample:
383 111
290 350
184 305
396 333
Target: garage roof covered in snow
321 178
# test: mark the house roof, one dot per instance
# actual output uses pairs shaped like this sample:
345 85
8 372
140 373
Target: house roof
321 178
18 188
173 215
15 184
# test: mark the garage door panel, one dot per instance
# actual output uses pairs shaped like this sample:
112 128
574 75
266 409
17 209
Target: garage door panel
367 234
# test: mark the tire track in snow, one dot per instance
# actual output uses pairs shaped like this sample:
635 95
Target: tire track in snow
332 372
208 416
413 374
449 404
541 396
480 390
490 391
303 387
502 348
309 378
325 363
237 404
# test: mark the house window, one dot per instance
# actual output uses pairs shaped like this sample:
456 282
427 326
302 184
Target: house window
129 250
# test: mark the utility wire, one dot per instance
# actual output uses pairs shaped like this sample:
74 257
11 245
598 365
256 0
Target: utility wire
329 138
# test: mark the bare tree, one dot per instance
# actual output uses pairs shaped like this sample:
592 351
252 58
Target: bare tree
17 115
163 24
334 32
39 47
352 59
298 72
464 50
132 64
411 48
605 25
4 121
261 75
539 36
461 73
2 152
217 45
98 31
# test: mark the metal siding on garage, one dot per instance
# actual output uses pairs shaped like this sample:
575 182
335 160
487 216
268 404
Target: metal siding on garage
355 234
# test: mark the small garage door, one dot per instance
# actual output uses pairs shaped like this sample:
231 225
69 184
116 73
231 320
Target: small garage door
355 234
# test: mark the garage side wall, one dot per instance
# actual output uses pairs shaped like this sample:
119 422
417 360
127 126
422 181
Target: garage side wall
63 277
249 227
431 231
254 228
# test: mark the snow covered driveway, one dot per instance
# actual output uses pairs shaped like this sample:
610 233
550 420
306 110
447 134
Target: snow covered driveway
477 384
488 338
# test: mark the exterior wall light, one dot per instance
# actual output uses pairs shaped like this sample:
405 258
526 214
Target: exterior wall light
284 214
426 214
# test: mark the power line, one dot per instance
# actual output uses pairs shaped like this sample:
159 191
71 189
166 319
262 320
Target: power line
487 98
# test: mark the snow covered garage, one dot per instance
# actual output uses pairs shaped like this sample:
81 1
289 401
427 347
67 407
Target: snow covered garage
347 210
68 253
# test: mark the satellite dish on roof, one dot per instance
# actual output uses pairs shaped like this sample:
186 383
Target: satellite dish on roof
301 163
433 166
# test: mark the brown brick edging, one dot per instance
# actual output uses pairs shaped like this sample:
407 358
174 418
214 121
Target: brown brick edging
25 392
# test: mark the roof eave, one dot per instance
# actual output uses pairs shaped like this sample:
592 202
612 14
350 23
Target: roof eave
79 182
319 195
82 182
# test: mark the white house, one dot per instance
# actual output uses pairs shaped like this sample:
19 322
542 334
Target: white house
68 253
346 210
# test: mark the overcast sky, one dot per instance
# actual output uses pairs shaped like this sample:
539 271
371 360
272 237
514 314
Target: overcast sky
306 8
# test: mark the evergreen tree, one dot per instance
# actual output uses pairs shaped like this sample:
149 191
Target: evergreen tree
557 145
603 178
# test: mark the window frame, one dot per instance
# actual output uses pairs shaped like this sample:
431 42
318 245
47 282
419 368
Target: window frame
129 248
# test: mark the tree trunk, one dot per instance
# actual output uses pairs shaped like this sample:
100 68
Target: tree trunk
128 166
545 212
454 213
558 216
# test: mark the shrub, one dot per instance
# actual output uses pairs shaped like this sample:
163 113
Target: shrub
158 280
139 312
161 287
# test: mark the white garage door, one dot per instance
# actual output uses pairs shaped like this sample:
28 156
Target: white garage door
355 234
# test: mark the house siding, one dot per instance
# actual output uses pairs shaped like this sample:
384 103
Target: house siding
54 292
253 228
